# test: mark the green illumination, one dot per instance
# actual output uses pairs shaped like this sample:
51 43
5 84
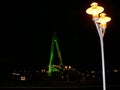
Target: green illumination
51 57
54 42
58 51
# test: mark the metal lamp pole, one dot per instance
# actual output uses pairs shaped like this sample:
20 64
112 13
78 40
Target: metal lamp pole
102 53
100 22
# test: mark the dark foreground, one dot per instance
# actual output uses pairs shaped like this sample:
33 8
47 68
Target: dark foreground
89 85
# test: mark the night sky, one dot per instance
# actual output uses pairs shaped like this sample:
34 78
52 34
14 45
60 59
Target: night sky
27 29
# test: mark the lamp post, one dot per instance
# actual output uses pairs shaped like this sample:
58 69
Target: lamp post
100 21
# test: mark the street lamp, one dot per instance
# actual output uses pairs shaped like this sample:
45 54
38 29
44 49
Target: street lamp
100 21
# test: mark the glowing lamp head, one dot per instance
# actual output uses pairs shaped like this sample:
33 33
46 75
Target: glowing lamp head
103 20
94 10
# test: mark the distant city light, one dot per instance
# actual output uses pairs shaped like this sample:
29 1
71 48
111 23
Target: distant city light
22 78
16 74
92 71
115 70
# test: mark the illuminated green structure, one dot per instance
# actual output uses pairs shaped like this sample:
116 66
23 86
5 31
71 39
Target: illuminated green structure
53 44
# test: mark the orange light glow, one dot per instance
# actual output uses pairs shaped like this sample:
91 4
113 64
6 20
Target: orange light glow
94 10
103 20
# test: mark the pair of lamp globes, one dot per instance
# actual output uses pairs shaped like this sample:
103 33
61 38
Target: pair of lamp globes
99 17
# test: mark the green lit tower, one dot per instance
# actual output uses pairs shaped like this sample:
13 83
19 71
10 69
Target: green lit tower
53 45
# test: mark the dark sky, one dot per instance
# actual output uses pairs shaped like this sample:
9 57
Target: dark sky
27 29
